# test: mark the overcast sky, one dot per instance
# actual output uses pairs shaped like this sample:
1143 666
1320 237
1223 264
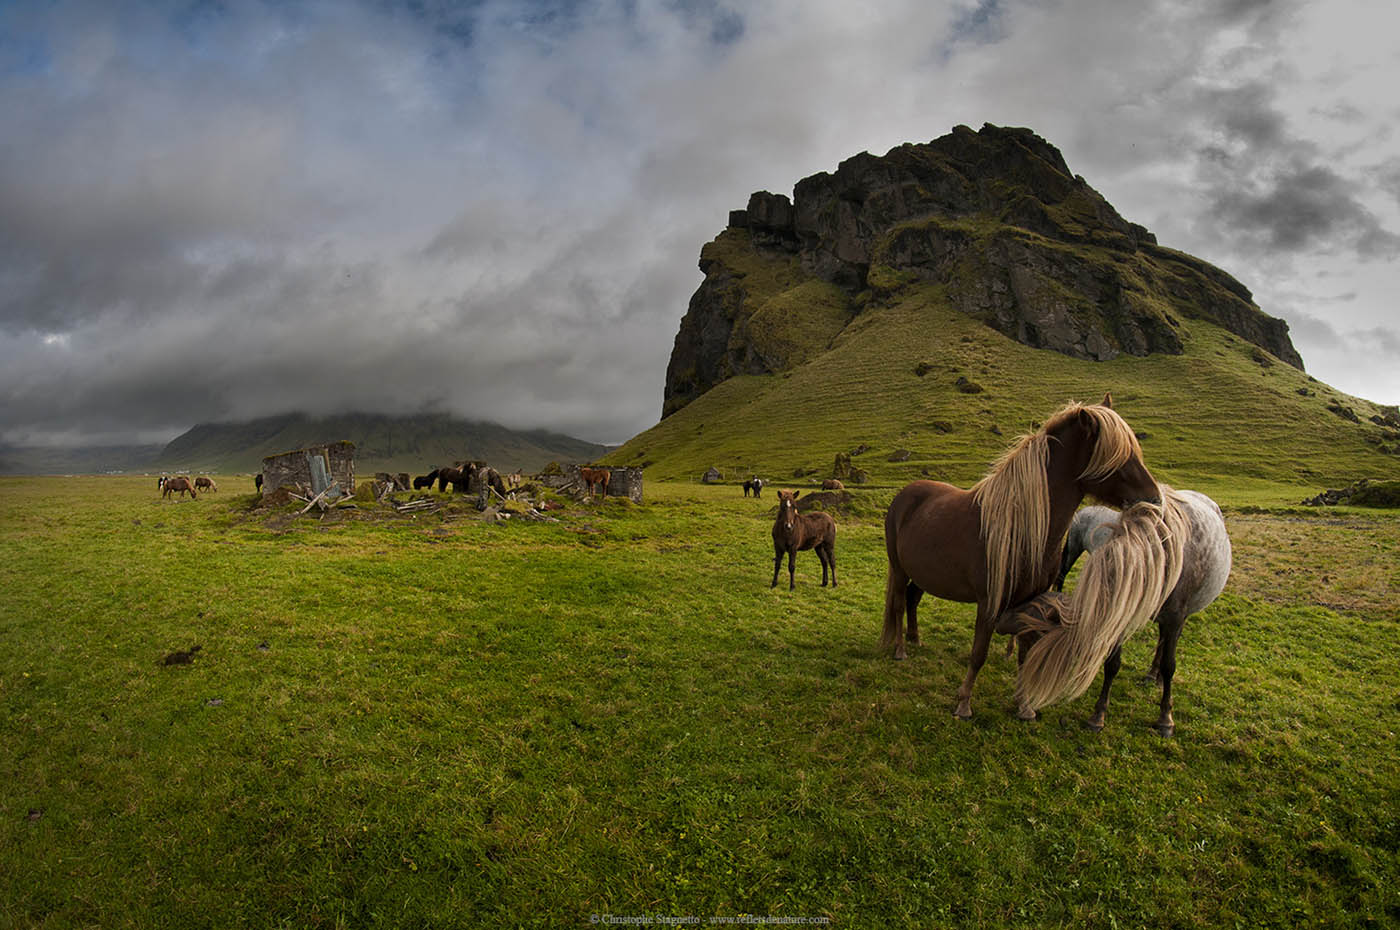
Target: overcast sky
217 211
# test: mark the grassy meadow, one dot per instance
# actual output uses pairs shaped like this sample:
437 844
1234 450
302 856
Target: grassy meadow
440 722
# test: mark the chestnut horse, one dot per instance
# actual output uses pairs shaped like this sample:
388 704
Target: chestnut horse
204 483
594 478
177 484
998 543
832 484
794 532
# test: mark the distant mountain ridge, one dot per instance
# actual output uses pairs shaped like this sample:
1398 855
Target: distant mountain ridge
413 443
382 443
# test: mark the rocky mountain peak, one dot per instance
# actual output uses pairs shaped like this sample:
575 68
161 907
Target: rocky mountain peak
994 217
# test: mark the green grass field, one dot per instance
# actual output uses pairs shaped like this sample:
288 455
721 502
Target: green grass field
439 722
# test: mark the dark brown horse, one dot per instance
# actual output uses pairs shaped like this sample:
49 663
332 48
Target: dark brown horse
794 532
998 543
425 481
205 483
177 484
459 477
595 478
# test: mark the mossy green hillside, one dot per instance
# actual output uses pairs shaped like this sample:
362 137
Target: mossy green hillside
1222 411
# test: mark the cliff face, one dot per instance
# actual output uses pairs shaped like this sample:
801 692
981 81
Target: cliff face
994 219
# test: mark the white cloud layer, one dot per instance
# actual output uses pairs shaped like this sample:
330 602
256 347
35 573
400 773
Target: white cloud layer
217 211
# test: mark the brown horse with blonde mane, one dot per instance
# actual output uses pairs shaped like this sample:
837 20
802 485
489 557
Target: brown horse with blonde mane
181 485
998 543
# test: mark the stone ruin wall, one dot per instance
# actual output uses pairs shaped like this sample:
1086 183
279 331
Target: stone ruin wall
291 468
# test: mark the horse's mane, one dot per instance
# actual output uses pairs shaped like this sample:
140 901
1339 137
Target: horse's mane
1015 501
1014 496
1124 584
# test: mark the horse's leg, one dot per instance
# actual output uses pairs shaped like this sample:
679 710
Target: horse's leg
792 568
981 638
1111 665
1067 557
777 564
1154 674
821 554
831 560
896 583
1171 632
912 594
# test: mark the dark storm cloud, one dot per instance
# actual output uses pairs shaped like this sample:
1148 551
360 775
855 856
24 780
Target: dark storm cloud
495 208
1303 206
1270 190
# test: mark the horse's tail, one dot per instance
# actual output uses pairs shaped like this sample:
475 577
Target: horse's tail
896 587
1123 586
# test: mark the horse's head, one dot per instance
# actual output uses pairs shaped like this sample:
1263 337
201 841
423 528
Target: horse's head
1107 455
787 508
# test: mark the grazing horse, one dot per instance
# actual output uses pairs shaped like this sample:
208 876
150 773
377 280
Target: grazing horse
831 484
754 484
425 481
998 543
459 478
258 482
177 484
794 532
1198 528
205 483
595 478
492 479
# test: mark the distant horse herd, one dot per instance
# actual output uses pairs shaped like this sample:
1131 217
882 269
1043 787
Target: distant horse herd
459 477
169 485
1008 543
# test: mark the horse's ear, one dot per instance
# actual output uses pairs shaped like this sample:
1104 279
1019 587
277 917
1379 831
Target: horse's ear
1108 400
796 495
1088 421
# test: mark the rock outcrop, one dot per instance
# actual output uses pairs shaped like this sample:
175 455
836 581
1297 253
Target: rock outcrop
994 218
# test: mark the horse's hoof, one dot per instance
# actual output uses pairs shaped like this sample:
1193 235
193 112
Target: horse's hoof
963 711
1093 726
1027 715
1165 730
900 654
